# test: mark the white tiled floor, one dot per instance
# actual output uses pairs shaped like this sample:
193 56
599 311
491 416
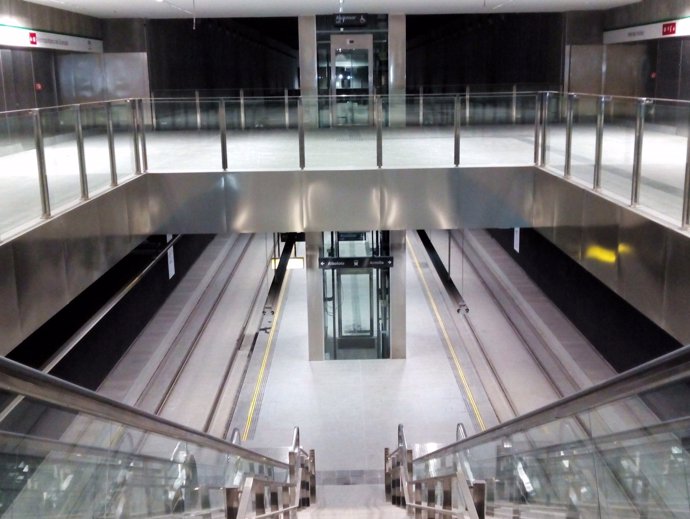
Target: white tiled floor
348 411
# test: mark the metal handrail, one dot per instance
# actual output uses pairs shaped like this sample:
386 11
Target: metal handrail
663 371
29 382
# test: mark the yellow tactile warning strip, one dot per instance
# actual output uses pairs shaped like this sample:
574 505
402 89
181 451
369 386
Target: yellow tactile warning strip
264 361
446 339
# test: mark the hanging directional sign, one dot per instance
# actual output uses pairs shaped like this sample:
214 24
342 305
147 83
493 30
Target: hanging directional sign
22 37
350 20
372 262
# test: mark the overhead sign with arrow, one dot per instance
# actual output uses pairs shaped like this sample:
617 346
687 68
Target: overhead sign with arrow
371 262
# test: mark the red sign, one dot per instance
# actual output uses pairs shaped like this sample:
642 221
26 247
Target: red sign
668 29
33 39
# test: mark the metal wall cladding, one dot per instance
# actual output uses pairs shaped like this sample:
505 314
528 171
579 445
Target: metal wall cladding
677 286
187 203
342 201
262 200
586 68
126 75
46 267
10 323
645 262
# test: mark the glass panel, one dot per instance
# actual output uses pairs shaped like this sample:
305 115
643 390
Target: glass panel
618 147
555 132
584 139
664 153
20 197
195 124
497 130
419 132
62 161
95 128
270 133
334 146
123 130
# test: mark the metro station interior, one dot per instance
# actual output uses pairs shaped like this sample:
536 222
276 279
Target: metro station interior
344 259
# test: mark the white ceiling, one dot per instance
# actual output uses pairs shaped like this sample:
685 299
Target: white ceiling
258 8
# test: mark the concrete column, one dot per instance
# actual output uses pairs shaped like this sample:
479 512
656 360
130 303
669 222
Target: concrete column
398 303
314 296
308 72
397 68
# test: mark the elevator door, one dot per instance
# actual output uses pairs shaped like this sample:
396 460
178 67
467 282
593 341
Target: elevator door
352 79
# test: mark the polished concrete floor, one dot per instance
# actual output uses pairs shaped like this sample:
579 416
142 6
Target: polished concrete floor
663 159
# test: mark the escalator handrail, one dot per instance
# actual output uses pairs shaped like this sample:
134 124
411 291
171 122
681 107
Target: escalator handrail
667 369
19 379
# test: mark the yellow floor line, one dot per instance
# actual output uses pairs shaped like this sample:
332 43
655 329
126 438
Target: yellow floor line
264 361
446 338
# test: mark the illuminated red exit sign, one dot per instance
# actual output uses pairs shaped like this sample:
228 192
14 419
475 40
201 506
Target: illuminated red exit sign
668 29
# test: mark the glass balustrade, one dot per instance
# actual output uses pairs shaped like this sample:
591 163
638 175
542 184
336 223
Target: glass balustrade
58 460
617 450
632 150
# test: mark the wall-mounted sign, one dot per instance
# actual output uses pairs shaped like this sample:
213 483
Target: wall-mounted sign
350 20
375 262
20 37
652 31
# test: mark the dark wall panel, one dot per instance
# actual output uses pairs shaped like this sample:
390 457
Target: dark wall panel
447 51
218 55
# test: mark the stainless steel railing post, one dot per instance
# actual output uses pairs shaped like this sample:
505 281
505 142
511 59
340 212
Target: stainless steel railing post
378 115
300 131
197 102
287 111
544 128
570 111
111 143
467 105
222 123
637 160
142 137
537 125
41 162
514 104
596 184
81 156
135 136
243 120
421 106
685 222
456 130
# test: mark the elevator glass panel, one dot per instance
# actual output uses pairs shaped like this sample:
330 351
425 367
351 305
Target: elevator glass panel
356 300
351 85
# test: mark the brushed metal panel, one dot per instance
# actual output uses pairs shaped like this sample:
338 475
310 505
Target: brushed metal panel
342 201
84 249
187 202
313 241
420 199
137 193
10 329
642 263
599 244
262 200
114 224
41 273
80 78
398 299
677 286
494 197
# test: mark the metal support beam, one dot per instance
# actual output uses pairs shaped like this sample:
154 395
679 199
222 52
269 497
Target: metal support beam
135 135
456 131
300 130
81 156
599 143
142 137
378 116
111 143
41 162
544 128
222 124
537 125
570 111
243 120
637 160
